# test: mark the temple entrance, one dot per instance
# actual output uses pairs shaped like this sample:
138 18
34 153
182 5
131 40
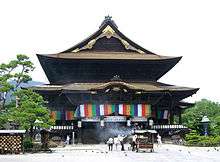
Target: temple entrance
94 132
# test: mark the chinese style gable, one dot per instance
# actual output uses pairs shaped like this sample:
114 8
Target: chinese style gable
108 38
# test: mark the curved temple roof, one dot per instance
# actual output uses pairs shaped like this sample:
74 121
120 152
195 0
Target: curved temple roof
112 53
148 88
144 87
107 36
64 70
108 41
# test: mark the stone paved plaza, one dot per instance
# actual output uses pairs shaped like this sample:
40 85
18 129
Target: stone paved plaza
99 153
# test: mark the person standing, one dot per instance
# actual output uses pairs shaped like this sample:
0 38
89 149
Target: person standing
110 144
116 142
159 142
68 140
121 139
134 142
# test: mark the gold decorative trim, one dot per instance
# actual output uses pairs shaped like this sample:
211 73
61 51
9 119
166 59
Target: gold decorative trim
140 51
125 43
108 32
76 50
91 43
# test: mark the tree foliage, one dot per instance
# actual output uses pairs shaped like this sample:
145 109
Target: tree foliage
16 71
31 108
193 116
3 119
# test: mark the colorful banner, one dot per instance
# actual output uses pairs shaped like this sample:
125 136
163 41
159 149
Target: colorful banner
94 110
162 114
77 112
69 115
56 115
59 115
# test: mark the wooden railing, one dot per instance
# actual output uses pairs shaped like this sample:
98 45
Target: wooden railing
68 127
169 126
156 127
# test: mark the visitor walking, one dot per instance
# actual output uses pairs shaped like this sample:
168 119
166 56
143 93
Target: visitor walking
159 142
134 142
116 142
110 144
121 139
68 140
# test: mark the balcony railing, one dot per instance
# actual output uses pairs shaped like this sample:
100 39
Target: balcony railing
169 126
62 127
156 127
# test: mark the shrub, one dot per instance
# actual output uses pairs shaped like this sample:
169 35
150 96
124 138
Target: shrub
36 147
28 144
205 141
216 140
194 139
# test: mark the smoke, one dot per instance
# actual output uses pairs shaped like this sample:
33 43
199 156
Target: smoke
92 132
112 130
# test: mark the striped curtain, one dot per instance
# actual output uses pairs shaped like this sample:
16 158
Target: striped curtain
69 115
162 114
62 115
137 110
93 110
96 110
56 115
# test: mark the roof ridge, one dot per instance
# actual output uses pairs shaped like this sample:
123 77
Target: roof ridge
107 29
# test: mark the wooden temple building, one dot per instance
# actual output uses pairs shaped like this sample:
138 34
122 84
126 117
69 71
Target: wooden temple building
108 85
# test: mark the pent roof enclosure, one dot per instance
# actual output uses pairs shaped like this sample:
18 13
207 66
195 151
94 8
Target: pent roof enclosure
92 63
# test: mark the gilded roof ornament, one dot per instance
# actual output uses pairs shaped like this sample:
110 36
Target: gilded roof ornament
108 32
125 43
91 43
76 50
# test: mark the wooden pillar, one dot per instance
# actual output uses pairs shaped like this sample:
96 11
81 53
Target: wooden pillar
79 136
156 115
180 116
171 116
171 110
79 125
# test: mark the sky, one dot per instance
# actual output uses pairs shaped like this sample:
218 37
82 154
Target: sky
188 28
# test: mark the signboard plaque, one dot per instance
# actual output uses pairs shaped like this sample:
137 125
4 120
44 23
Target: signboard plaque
139 119
115 119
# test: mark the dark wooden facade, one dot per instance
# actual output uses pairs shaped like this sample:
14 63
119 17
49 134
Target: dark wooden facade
109 68
66 70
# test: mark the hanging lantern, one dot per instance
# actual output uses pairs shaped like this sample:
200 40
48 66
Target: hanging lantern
79 124
102 124
128 122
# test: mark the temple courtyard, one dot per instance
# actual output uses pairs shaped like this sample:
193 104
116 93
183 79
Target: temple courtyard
100 153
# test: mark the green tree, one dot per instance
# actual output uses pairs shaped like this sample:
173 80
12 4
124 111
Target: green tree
193 116
16 71
3 119
31 108
216 125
